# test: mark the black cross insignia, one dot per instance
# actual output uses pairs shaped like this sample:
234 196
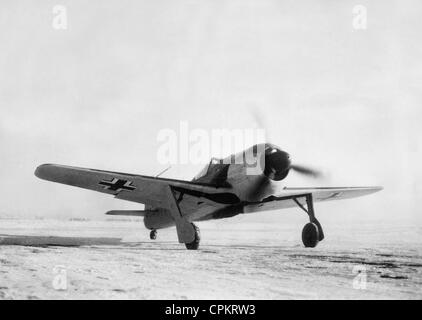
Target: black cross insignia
117 185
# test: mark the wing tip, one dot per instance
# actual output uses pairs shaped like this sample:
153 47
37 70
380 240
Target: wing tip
369 190
42 171
376 188
39 171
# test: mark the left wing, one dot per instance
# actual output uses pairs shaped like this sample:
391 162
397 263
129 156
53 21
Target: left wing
132 187
285 198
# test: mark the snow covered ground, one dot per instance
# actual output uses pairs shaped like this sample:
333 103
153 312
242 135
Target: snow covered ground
52 259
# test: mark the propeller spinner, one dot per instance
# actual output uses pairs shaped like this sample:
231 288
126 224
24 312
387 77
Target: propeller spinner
278 164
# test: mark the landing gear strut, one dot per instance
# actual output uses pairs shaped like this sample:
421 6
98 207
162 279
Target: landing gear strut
187 232
153 234
312 232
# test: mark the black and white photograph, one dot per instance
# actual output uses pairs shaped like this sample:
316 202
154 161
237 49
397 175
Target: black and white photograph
210 150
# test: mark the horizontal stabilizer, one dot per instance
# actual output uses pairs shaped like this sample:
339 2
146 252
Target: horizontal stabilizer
138 213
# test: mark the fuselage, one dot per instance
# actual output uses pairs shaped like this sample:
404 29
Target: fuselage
246 173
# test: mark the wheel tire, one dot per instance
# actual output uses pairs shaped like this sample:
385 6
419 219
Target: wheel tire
153 234
310 235
194 245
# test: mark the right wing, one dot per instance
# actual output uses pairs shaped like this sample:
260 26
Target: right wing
284 199
132 187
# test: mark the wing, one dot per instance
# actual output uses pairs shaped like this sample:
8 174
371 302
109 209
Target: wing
132 187
285 198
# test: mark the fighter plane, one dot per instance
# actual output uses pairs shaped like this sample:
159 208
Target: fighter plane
223 189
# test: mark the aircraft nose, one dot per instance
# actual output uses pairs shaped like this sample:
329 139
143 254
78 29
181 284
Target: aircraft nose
277 163
279 158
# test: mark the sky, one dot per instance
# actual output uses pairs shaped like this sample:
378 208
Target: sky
98 93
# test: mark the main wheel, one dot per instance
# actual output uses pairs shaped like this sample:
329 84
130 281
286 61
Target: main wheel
194 245
310 235
153 234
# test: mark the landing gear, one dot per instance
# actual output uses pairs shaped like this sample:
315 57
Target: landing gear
153 234
194 245
187 232
312 232
310 235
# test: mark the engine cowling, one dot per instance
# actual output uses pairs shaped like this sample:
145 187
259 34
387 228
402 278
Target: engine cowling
277 163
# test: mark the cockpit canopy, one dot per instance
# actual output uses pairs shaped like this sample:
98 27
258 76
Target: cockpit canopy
204 171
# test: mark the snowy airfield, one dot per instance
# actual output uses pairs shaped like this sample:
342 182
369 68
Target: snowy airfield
114 259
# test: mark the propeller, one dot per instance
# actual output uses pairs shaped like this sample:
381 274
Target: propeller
307 171
278 162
